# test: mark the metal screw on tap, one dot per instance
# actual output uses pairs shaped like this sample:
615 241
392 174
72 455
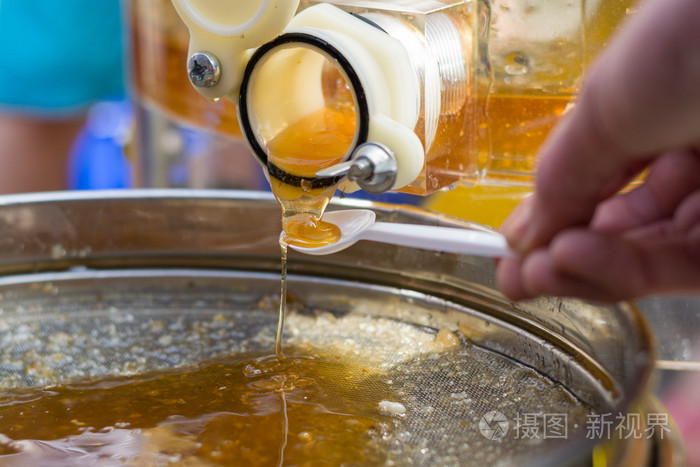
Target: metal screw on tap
203 69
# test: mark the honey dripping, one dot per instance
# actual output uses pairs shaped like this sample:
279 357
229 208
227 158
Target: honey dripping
283 301
319 140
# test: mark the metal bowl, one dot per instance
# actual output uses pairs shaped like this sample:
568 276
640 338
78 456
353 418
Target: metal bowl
173 252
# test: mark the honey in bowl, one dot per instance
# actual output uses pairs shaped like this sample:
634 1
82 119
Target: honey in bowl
249 410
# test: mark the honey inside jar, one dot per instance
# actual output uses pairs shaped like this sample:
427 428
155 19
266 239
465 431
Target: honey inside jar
309 128
317 141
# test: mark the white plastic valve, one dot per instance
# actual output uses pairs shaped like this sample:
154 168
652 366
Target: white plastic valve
386 80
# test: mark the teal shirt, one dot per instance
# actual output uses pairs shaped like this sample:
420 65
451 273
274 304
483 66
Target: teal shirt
59 56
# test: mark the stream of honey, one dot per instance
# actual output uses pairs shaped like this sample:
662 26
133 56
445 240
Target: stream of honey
317 141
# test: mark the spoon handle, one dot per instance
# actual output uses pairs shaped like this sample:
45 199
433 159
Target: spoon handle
447 239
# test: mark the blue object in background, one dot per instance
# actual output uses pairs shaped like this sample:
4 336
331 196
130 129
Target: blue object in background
97 160
195 143
60 56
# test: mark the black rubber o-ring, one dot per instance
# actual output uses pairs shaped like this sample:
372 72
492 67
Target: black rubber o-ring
362 110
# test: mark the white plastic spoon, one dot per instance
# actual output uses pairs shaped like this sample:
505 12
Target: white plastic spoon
359 224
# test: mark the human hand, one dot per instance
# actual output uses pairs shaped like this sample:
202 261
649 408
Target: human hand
639 108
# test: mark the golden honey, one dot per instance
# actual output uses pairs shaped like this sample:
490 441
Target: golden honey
308 232
316 141
253 410
319 140
512 128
